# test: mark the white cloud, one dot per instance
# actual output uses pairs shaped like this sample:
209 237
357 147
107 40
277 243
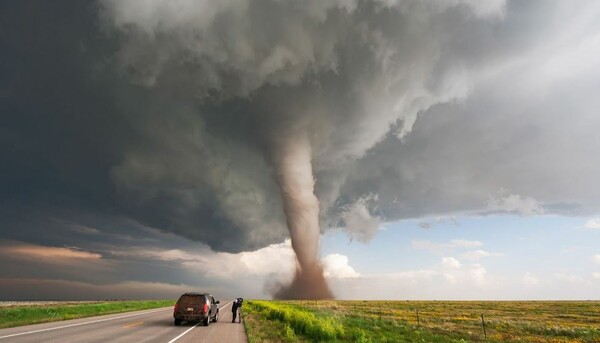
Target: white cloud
450 278
463 243
449 270
275 259
457 273
451 263
428 224
170 255
593 224
468 283
477 274
336 266
570 278
596 258
514 203
477 254
444 247
359 222
529 280
26 251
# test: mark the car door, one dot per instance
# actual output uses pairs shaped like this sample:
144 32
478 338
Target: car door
213 306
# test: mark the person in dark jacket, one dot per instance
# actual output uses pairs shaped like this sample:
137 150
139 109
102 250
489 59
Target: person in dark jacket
235 308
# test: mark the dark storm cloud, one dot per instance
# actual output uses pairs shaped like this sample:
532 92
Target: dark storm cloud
233 82
122 113
65 141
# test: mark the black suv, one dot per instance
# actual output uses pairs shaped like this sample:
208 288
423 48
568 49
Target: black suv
195 307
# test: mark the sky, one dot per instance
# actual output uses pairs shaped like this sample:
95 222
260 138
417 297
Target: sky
453 147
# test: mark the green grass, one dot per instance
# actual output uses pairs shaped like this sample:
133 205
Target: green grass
296 322
300 321
439 321
25 315
261 330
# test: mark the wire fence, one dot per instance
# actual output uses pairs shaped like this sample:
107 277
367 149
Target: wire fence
564 321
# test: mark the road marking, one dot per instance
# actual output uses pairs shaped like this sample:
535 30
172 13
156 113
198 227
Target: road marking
231 302
85 323
186 331
190 329
133 324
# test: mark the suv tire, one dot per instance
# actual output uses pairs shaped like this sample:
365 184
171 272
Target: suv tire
177 322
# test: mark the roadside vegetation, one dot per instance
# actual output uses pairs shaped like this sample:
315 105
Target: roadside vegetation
422 321
11 316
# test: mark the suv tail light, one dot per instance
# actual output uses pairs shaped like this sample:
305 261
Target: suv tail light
205 308
176 307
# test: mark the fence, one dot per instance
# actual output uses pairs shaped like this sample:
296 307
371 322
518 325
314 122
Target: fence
481 320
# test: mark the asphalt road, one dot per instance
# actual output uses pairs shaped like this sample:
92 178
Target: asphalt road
140 326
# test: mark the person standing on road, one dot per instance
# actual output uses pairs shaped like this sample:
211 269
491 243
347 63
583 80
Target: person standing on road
235 307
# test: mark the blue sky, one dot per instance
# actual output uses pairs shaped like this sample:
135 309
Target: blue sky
534 239
545 256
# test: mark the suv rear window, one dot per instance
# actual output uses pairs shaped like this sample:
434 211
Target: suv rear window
191 300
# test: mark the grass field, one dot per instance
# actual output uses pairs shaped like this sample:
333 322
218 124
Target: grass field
11 316
438 321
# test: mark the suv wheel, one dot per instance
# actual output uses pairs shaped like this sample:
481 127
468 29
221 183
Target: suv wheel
216 318
177 322
207 321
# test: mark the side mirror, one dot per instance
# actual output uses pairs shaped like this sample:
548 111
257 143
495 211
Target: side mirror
217 302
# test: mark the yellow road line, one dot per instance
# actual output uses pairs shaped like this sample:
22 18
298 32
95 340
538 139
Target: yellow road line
133 324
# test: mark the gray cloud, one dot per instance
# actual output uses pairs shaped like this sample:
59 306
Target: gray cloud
123 113
346 74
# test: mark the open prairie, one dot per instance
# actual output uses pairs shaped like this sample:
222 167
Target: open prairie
423 321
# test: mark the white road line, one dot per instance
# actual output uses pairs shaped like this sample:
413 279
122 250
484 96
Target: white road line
85 323
186 331
190 329
231 302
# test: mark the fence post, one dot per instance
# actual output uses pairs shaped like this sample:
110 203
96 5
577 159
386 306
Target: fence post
418 320
379 311
483 324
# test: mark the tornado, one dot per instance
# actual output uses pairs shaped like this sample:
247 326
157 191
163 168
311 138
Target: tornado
238 112
293 165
